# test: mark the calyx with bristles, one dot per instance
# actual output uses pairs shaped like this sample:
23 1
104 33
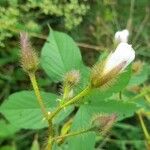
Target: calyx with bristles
71 78
103 122
29 58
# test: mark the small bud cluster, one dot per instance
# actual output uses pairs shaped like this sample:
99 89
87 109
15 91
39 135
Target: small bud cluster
29 59
71 79
102 123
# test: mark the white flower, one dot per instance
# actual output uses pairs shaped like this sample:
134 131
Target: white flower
124 54
122 36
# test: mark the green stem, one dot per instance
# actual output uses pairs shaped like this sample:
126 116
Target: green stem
49 144
76 98
129 23
140 95
38 95
70 102
147 136
40 101
72 134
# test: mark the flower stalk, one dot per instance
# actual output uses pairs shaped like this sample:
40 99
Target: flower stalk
40 101
29 63
38 95
72 134
70 102
142 94
145 131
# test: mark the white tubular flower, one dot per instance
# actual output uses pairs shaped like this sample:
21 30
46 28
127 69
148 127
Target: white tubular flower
123 55
122 36
103 74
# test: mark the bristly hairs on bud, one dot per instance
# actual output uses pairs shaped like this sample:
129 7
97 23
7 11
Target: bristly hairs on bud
101 79
71 79
104 73
29 58
102 123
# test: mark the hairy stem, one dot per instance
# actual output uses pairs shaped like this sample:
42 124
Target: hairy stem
40 100
70 102
71 134
38 95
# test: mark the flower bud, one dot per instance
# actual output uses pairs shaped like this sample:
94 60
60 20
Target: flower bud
29 59
103 73
103 122
72 78
122 36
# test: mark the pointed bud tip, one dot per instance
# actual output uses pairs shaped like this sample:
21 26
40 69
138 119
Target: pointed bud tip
29 59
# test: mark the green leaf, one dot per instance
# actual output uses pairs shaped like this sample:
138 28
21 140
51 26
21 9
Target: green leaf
65 112
22 109
85 141
7 130
120 83
140 77
84 116
59 55
122 109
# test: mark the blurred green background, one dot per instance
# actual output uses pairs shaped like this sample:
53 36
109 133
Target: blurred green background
92 24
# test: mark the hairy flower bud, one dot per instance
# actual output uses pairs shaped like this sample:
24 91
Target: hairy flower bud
103 122
72 78
122 36
29 59
103 73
